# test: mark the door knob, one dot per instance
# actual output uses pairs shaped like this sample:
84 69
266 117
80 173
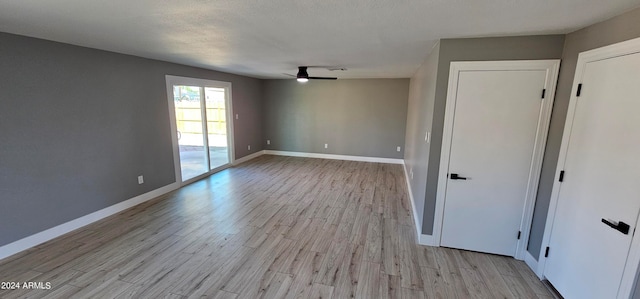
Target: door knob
617 225
455 176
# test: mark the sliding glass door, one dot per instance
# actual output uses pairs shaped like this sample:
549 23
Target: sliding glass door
190 131
201 126
217 126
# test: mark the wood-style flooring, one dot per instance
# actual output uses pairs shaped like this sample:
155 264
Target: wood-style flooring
274 227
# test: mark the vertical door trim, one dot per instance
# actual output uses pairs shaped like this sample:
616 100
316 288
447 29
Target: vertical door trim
633 259
202 83
205 126
551 67
170 82
230 118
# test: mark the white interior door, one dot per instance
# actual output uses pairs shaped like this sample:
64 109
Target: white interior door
495 129
587 257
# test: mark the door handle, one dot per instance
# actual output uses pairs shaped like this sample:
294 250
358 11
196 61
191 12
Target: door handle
455 176
617 225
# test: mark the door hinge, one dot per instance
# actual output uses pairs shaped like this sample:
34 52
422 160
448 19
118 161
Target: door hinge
546 252
519 233
579 90
561 178
543 92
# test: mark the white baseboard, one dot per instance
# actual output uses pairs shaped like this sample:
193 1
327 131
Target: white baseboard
335 157
54 232
428 240
413 203
248 157
532 263
422 239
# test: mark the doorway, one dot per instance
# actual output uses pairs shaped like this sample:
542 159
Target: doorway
591 249
496 122
201 126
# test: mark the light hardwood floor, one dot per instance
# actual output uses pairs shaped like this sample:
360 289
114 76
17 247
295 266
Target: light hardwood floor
275 227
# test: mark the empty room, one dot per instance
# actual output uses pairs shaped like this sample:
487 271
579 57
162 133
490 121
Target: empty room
319 149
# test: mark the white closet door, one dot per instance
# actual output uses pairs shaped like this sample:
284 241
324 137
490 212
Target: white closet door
492 147
601 182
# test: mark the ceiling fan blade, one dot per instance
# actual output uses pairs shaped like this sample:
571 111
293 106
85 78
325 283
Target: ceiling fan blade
323 78
328 67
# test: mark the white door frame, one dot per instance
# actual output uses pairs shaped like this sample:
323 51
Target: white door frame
177 80
619 49
551 67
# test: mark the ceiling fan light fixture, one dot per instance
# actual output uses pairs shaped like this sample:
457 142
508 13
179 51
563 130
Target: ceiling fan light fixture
302 75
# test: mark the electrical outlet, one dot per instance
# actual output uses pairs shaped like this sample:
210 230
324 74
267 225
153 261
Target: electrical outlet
268 141
398 149
248 147
427 137
236 116
140 180
326 145
412 174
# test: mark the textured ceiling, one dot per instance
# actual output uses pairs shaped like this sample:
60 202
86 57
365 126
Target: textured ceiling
265 38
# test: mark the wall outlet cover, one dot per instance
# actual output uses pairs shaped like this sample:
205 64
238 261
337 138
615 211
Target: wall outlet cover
140 180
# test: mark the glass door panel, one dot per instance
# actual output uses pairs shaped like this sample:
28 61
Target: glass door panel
217 126
189 123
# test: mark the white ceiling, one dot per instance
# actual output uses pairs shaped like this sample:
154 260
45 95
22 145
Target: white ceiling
265 38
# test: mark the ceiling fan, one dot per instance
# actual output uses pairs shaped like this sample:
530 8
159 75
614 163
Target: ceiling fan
303 75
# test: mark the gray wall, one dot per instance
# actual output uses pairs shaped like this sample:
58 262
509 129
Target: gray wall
360 117
78 125
422 91
475 49
617 29
636 288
